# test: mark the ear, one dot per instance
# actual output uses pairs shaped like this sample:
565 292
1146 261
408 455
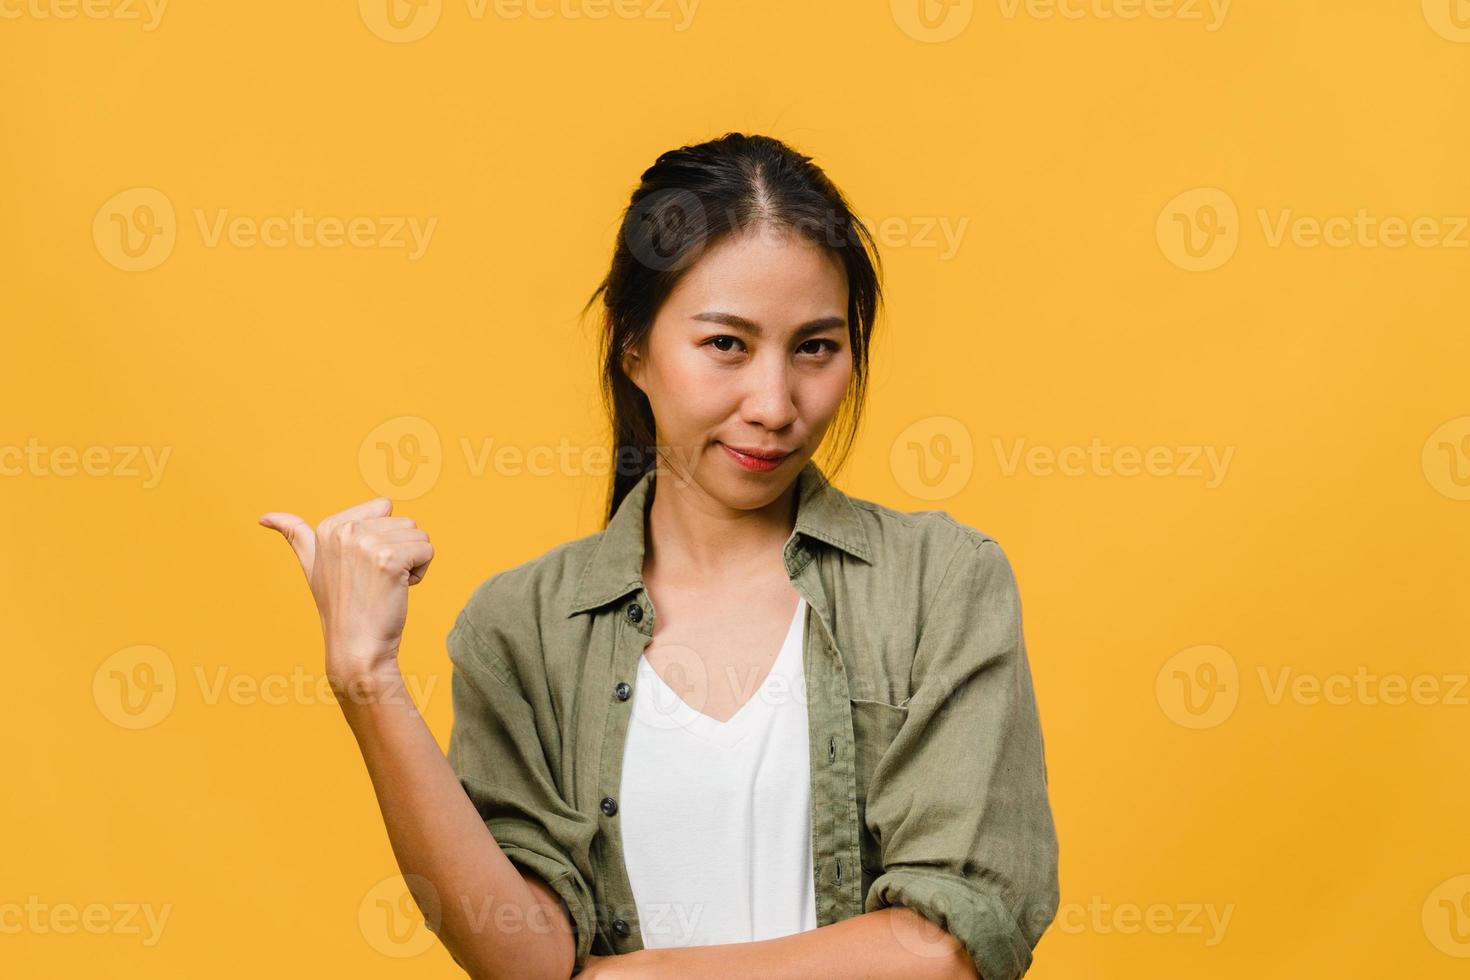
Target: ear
633 368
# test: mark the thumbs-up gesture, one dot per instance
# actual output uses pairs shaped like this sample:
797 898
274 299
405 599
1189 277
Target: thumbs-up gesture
359 564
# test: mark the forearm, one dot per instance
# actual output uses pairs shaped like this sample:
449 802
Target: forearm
887 944
492 920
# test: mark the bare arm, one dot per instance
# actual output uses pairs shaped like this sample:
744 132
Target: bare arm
887 944
494 921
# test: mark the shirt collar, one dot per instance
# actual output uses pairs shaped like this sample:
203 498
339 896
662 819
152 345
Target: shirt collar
615 568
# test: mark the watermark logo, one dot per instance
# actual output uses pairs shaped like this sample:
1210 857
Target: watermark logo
1207 463
1446 458
400 21
402 458
1199 230
1199 686
135 229
1450 19
393 922
1210 13
1446 917
933 458
406 21
1363 687
135 687
1206 920
148 13
1363 230
942 233
41 918
40 461
932 21
659 224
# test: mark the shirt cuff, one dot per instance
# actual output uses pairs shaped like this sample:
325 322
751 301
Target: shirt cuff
969 910
567 884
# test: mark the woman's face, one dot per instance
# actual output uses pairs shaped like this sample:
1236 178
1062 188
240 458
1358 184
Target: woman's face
749 352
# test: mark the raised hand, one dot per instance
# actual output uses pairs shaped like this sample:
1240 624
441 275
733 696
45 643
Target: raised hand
359 563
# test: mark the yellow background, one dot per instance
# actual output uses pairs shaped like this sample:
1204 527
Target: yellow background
1332 835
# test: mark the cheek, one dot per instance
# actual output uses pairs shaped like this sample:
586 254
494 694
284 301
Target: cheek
830 386
689 393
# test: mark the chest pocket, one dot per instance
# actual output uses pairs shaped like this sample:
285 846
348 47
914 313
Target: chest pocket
874 725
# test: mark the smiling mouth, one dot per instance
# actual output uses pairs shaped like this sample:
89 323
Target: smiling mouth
750 460
758 454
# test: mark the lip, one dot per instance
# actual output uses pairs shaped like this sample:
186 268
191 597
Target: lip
755 460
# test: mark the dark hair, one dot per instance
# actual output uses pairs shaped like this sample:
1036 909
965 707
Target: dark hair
690 199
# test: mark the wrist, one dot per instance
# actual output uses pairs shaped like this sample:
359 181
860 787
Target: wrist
363 686
652 963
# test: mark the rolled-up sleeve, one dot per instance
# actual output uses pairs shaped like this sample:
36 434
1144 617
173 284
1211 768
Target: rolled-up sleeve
958 802
496 748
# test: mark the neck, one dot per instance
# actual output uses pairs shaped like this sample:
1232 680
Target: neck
694 538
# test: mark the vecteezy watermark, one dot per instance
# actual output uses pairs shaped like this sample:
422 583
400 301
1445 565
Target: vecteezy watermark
137 687
1200 687
1363 230
1446 916
1450 19
668 228
40 918
403 458
1210 13
111 462
934 459
406 21
936 21
1193 462
1200 230
1207 920
1445 458
137 229
400 915
943 234
1284 683
148 13
932 21
675 923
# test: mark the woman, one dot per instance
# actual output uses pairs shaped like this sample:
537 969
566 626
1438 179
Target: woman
618 798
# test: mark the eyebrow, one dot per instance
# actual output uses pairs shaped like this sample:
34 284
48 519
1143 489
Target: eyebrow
751 327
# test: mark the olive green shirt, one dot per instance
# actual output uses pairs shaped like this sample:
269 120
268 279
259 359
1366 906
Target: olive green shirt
928 774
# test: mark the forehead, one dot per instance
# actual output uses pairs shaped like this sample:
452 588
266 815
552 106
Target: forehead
773 277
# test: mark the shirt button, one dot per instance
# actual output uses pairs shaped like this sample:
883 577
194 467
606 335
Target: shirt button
621 928
609 805
634 611
622 690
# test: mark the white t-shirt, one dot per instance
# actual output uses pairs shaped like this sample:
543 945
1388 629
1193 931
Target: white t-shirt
716 816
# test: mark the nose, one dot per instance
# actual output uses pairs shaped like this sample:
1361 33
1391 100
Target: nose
770 396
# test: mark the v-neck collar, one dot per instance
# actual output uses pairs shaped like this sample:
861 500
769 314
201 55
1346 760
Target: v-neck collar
674 711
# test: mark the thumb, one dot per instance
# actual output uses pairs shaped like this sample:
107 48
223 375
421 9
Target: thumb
298 534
